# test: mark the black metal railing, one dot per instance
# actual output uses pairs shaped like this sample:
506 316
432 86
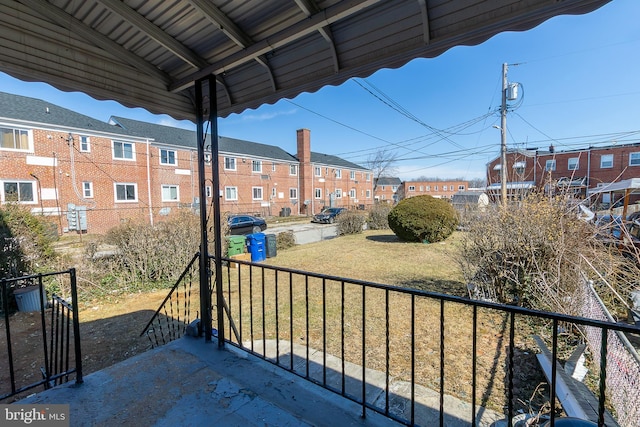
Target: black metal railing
389 348
177 312
58 357
404 353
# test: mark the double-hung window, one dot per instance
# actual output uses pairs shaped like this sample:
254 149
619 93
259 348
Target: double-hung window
168 157
257 193
230 163
123 150
606 161
231 193
256 166
126 192
634 159
170 193
14 139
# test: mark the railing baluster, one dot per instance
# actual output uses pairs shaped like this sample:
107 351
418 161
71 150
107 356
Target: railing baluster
441 363
5 308
386 352
251 302
264 329
554 357
474 365
239 304
413 359
291 318
364 351
342 375
603 375
277 320
306 299
511 352
324 332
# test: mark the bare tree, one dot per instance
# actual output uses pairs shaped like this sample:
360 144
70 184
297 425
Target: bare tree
382 163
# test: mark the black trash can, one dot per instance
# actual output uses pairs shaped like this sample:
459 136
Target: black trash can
271 240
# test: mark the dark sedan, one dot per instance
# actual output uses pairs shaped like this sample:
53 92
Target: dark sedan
246 224
328 216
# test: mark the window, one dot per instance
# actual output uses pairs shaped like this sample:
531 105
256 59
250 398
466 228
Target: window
87 189
85 144
606 161
167 157
123 150
318 192
126 192
338 173
383 188
444 188
273 167
208 191
257 193
231 193
293 170
428 188
273 193
352 193
317 171
460 187
17 191
256 166
573 164
412 188
550 165
435 188
14 139
338 193
352 175
368 175
170 193
634 159
368 194
421 188
293 193
230 163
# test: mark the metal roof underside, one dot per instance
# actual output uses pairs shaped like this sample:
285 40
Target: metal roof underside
148 53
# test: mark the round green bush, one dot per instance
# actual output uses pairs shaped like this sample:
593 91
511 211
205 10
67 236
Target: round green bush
423 219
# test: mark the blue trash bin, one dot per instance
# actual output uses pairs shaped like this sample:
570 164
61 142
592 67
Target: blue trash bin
255 245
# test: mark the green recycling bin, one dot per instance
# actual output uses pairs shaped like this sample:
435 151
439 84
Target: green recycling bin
236 245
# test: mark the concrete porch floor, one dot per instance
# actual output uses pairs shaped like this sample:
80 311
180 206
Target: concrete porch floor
192 383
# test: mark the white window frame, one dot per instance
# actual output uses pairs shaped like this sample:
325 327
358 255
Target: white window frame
339 173
550 165
293 170
338 193
634 159
26 132
368 194
368 175
85 144
273 166
293 193
274 193
412 188
606 161
230 163
461 187
126 184
231 193
573 163
256 166
352 175
435 188
208 191
18 184
87 189
169 187
256 193
168 156
123 143
428 188
318 193
317 171
352 193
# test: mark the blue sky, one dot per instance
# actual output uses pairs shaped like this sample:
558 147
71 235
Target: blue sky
580 77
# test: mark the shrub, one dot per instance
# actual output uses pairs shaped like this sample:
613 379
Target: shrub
378 217
423 219
285 240
350 222
535 253
26 240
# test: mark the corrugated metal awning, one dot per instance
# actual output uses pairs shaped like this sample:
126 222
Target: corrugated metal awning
148 53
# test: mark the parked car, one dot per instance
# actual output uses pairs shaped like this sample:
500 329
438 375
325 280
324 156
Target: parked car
328 216
246 224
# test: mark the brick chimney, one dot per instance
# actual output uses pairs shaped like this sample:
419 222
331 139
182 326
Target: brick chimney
304 146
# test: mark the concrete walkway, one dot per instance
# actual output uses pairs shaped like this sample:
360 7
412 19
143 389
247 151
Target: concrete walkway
192 383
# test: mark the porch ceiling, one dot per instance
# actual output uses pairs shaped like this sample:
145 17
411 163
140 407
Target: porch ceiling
148 53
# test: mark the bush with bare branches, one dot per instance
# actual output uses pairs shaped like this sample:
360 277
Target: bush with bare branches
533 254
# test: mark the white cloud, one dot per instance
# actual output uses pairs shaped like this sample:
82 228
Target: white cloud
261 117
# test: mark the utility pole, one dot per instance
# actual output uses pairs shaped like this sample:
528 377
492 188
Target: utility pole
503 138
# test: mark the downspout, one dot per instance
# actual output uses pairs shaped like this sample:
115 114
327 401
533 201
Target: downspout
149 184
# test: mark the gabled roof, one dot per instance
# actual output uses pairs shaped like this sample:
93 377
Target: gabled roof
150 53
329 160
36 112
387 180
172 136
